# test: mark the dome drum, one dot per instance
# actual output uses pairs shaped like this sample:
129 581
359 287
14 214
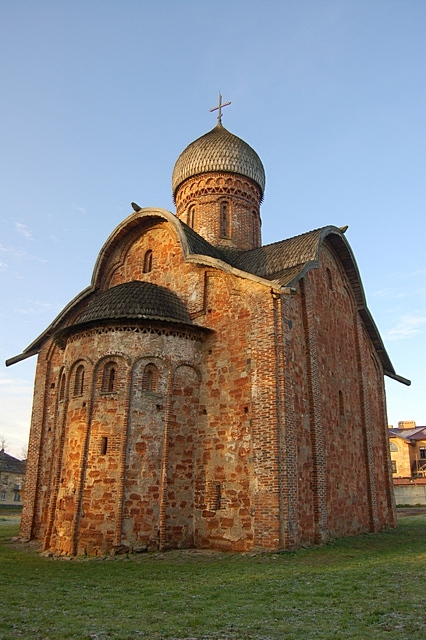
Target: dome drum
217 183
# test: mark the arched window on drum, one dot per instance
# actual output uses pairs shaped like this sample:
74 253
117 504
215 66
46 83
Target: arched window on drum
225 220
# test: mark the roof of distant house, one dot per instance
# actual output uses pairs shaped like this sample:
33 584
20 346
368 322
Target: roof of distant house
9 464
418 433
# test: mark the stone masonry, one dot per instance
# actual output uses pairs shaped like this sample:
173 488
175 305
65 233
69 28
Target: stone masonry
206 391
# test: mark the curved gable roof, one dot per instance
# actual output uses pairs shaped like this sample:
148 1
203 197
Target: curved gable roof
279 265
288 261
190 241
194 248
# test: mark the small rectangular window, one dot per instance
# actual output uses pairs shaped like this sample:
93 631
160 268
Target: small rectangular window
393 466
104 445
422 453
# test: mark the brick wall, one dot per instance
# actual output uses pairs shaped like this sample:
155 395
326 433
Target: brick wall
199 202
266 431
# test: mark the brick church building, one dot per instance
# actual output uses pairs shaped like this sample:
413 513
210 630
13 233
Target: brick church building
207 391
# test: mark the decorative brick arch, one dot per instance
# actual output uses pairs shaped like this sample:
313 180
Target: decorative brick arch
162 365
80 373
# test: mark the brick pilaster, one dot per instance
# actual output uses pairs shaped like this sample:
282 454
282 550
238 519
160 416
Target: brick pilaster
34 449
319 469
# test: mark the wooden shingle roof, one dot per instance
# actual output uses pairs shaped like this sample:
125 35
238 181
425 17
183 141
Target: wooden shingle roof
282 263
218 150
136 300
9 464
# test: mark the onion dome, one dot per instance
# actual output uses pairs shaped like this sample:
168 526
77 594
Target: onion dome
136 300
218 150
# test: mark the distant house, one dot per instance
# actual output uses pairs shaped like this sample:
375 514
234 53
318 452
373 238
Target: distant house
407 446
12 478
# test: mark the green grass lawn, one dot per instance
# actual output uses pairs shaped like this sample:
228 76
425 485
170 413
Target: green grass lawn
365 587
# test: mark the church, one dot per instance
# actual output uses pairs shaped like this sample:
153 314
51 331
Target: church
206 391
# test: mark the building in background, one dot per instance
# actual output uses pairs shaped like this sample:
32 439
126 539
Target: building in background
407 446
207 391
12 479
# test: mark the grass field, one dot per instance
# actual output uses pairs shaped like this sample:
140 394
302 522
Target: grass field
361 588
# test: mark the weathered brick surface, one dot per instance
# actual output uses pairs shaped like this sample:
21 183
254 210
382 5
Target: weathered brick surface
199 200
260 425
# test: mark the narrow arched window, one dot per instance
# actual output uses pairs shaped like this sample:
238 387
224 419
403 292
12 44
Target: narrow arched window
341 404
147 261
109 378
255 232
329 279
62 387
224 220
150 378
191 216
79 380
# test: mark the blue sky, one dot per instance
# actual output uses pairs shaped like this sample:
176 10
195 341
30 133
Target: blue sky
100 97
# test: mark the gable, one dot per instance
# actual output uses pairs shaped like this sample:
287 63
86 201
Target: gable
279 266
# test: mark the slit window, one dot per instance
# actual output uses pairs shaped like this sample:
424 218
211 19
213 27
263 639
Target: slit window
224 220
191 216
62 387
341 404
109 378
104 445
147 261
79 380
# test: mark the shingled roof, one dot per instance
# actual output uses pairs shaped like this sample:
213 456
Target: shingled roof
136 300
418 433
218 150
9 464
282 263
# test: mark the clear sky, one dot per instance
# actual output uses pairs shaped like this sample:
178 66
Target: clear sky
99 97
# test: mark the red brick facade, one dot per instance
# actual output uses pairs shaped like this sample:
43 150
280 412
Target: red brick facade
258 423
224 209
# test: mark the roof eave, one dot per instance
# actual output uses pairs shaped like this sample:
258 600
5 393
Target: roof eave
36 345
394 376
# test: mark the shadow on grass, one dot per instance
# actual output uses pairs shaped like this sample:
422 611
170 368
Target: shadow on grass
354 588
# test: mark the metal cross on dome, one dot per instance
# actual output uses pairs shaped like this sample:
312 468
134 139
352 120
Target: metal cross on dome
219 107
